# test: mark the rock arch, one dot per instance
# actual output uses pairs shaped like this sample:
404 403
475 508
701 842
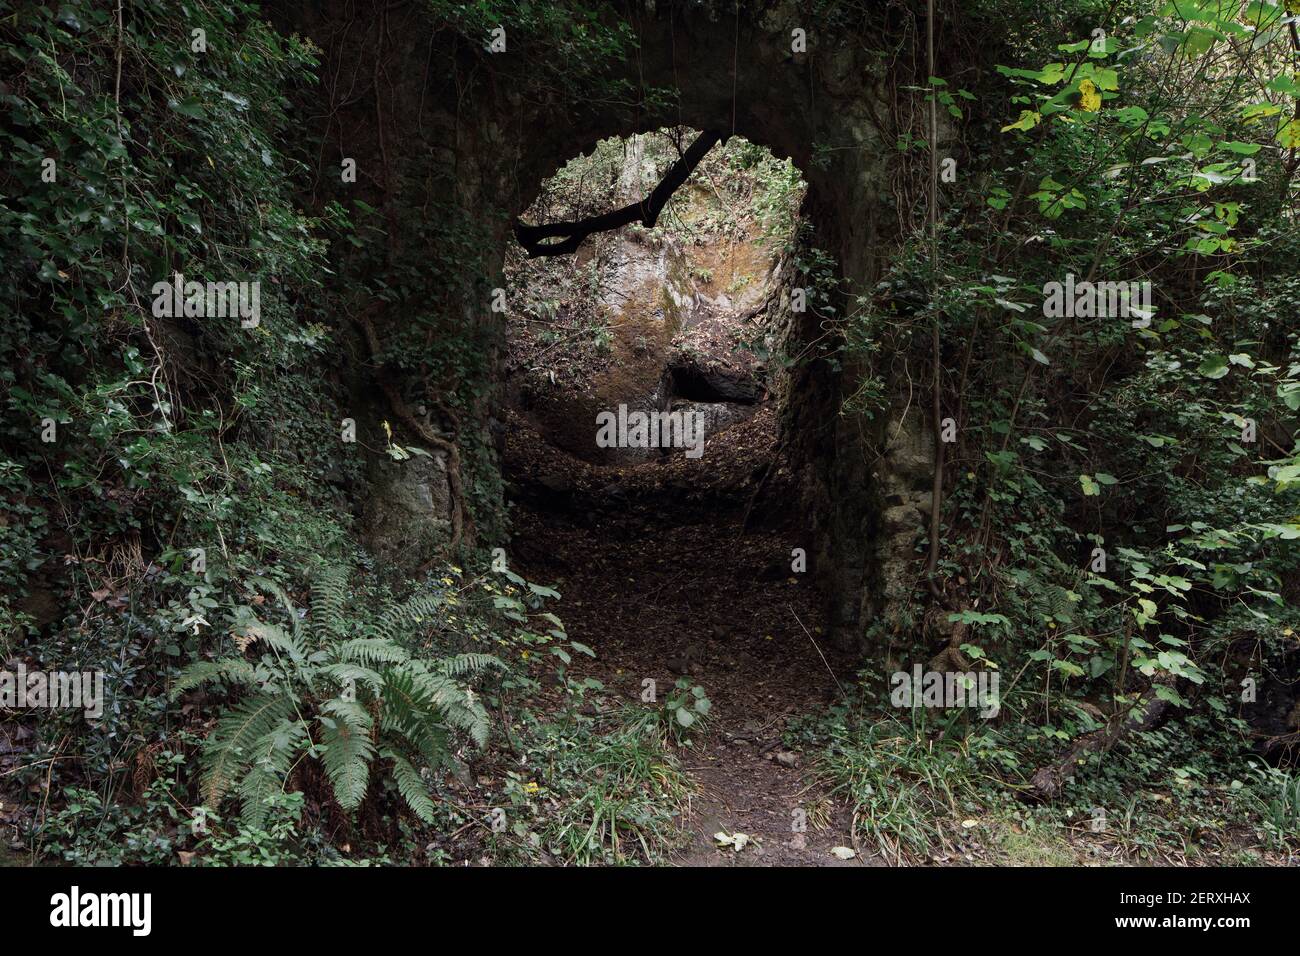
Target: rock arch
437 120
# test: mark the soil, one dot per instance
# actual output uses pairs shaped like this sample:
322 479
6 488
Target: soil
682 567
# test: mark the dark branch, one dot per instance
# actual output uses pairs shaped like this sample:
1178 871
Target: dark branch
571 234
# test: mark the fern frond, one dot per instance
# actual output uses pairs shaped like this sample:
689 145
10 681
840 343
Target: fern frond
345 671
273 757
1060 605
283 598
469 665
329 596
402 621
457 704
230 748
275 638
371 651
346 750
232 670
411 786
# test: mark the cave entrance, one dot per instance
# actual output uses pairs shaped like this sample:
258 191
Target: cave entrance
678 561
678 327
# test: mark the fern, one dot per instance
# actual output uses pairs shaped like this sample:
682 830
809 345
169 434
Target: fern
231 670
230 749
274 638
399 620
411 786
348 701
459 705
346 750
346 671
372 650
273 756
329 596
469 665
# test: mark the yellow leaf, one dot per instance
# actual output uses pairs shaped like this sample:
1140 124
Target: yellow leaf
1089 98
1028 120
1288 136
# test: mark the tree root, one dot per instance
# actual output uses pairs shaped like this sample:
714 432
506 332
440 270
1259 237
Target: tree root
406 416
1048 782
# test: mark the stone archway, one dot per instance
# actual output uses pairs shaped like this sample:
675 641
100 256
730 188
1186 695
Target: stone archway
466 134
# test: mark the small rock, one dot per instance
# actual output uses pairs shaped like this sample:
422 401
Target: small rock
787 759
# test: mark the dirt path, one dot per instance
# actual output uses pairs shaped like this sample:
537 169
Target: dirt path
658 579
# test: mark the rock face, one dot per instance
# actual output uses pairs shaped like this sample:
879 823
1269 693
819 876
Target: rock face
644 292
408 514
672 304
480 145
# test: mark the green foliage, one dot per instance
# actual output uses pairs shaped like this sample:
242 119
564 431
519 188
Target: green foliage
1163 151
1144 458
686 710
84 830
906 788
172 435
567 47
1162 441
1278 805
607 790
342 687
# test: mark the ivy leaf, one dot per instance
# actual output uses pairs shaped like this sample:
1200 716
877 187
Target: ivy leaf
187 107
1216 366
1241 149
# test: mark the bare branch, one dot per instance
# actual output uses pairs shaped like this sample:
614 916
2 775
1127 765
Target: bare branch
571 234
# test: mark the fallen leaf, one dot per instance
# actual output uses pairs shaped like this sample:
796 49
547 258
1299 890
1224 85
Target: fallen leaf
737 841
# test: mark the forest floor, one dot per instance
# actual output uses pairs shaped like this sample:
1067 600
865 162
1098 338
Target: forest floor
675 568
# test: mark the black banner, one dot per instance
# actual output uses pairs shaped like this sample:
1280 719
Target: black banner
135 906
